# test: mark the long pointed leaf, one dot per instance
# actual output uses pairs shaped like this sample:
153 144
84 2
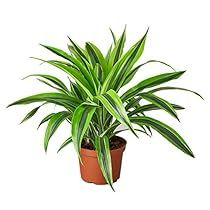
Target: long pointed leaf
73 60
161 103
150 107
52 126
97 57
56 98
128 65
150 82
107 57
175 88
104 158
97 75
30 114
54 87
128 59
65 143
113 36
114 106
64 55
77 76
169 133
131 74
118 50
79 50
52 79
133 102
75 90
80 122
45 119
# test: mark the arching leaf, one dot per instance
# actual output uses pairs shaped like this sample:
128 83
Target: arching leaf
167 132
104 158
80 122
52 126
65 143
114 106
150 82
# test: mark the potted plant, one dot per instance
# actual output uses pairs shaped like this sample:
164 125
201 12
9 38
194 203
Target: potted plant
94 108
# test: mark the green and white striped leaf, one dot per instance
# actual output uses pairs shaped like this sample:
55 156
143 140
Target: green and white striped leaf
114 106
80 122
77 76
150 82
139 130
30 114
131 74
66 56
78 49
76 91
85 73
56 98
52 79
104 158
113 36
97 73
65 143
52 86
128 65
118 50
167 132
150 107
161 103
132 103
175 88
107 57
123 65
52 126
76 55
45 119
97 57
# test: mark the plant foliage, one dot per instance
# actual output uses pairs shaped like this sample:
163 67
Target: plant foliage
92 104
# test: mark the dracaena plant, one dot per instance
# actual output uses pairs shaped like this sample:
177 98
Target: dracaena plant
92 104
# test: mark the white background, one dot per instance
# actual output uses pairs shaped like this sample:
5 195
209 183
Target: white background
155 175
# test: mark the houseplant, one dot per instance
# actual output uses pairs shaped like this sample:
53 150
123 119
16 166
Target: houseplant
95 109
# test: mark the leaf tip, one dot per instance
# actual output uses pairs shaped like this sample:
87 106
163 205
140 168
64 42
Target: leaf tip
9 105
70 39
42 45
192 155
135 133
25 77
201 97
183 71
177 118
112 188
45 148
125 27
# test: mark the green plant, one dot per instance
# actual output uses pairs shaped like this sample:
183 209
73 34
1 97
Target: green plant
92 104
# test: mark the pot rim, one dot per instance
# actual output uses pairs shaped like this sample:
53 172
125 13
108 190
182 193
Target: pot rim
92 153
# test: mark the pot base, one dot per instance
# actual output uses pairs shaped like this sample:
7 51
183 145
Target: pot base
98 183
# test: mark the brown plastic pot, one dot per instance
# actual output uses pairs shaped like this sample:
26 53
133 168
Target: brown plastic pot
90 169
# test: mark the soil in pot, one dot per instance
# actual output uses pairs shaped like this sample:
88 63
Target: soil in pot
90 170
